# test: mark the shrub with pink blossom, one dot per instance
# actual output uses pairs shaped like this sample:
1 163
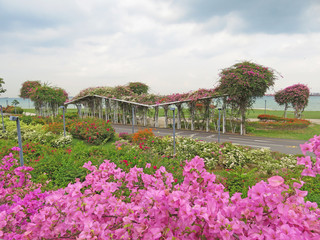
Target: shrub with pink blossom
296 96
113 204
243 83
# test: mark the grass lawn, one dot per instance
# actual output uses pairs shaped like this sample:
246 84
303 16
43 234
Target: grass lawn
297 134
290 114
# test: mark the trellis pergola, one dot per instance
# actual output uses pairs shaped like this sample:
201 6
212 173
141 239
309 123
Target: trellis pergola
122 111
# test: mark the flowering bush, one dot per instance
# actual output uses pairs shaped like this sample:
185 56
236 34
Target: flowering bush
26 89
138 87
12 109
136 95
94 131
125 135
43 95
113 204
296 95
270 121
34 133
243 83
142 135
214 154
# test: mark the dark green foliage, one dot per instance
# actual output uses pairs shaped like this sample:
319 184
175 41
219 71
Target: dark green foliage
2 90
312 185
138 87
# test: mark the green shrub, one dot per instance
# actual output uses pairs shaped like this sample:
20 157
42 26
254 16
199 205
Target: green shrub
34 133
26 119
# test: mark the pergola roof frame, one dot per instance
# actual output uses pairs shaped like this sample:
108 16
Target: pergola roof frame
140 104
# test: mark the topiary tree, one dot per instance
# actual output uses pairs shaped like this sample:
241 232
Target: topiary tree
296 95
243 83
283 99
2 90
48 97
27 88
138 87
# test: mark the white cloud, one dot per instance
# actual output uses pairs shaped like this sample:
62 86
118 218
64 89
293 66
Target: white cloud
94 43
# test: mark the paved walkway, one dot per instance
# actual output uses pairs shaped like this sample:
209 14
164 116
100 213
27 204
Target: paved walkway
274 144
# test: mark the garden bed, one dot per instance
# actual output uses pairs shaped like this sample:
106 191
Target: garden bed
148 189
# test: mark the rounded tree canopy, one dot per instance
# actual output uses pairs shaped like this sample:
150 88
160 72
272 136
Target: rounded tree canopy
28 87
297 95
244 82
138 87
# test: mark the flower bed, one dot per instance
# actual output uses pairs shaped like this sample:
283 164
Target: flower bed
94 131
275 122
113 204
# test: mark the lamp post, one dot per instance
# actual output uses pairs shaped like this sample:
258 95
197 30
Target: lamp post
265 106
14 118
174 131
3 129
219 125
64 120
132 119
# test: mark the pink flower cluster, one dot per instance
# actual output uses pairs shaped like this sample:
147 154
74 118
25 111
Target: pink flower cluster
113 204
124 93
296 95
313 146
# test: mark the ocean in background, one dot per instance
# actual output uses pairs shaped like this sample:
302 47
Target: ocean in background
260 103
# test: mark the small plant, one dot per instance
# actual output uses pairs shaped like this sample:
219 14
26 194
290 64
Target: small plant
12 109
94 131
125 136
142 135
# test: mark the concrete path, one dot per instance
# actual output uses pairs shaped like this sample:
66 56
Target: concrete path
274 144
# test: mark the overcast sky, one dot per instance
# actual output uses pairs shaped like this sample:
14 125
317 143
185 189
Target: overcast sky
171 45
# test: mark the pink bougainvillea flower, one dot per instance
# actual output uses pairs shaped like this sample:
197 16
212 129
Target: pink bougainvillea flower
276 181
308 172
148 165
15 149
305 148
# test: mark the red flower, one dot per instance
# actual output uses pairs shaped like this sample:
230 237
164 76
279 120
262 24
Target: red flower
154 167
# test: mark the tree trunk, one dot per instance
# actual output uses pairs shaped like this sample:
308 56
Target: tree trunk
285 110
243 121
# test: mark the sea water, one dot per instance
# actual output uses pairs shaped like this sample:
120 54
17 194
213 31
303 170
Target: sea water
267 102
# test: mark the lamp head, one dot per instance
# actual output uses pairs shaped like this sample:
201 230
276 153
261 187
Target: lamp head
13 118
61 107
172 108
